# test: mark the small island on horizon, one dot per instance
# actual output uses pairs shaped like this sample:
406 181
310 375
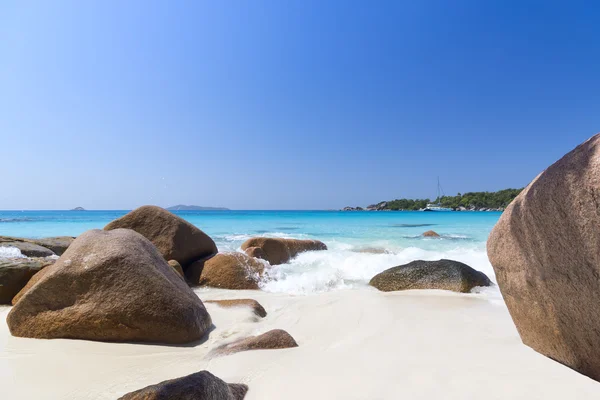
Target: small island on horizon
181 207
77 209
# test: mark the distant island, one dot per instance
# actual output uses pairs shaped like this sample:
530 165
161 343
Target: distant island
78 209
181 207
472 201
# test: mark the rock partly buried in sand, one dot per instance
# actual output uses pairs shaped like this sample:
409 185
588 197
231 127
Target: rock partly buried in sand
232 271
545 250
174 237
15 273
275 339
279 251
431 234
442 274
176 266
111 286
257 309
199 386
29 249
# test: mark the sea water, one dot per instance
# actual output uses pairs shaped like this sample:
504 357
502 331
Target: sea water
361 244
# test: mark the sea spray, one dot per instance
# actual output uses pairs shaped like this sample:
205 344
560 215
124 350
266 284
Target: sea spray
343 268
10 252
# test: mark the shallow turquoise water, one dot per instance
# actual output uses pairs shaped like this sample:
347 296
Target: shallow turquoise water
398 234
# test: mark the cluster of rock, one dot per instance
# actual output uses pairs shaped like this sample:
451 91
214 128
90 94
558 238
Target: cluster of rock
382 206
131 282
545 253
348 208
473 208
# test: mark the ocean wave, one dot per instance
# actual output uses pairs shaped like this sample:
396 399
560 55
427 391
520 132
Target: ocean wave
322 271
411 225
10 252
22 219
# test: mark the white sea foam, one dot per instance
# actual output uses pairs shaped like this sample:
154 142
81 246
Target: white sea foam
340 267
10 252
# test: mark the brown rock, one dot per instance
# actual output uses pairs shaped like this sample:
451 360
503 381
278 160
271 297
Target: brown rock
199 386
431 234
279 251
255 252
177 267
274 339
253 304
112 286
14 275
174 237
34 279
57 244
232 271
545 252
442 274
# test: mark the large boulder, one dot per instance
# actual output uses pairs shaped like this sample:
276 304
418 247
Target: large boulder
545 250
174 237
232 271
112 286
15 273
271 340
199 386
279 251
442 274
29 249
254 305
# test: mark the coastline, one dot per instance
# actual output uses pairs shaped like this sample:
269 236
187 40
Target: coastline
415 344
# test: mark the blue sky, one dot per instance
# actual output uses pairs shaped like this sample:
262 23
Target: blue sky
287 105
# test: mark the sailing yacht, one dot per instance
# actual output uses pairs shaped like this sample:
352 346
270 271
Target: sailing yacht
437 206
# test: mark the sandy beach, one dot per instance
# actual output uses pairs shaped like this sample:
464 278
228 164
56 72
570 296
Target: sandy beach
353 344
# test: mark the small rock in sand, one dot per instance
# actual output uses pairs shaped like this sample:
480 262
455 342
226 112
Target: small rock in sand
274 339
253 304
199 386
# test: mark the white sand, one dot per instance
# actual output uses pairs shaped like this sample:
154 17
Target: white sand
354 344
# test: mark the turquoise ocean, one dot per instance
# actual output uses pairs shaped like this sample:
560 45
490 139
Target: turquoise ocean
361 244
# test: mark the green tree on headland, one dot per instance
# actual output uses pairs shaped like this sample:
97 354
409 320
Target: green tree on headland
471 200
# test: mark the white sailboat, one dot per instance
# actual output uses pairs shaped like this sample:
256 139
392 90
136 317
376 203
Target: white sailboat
437 206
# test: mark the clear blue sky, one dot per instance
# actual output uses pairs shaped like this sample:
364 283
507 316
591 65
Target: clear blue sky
287 104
